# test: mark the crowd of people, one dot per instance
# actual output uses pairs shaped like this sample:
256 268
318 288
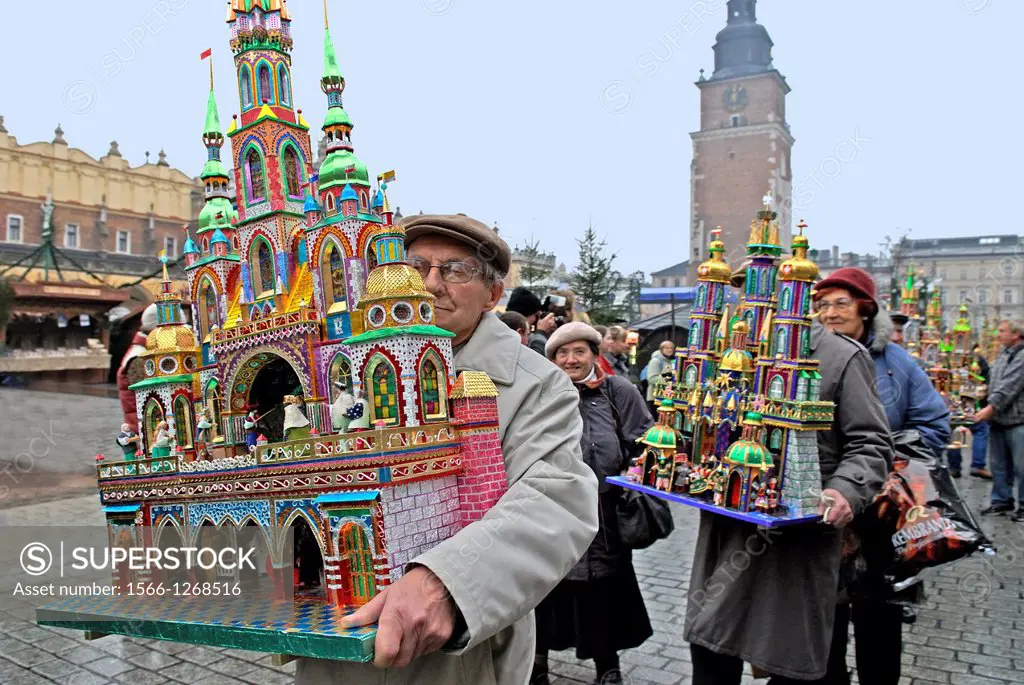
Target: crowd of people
546 569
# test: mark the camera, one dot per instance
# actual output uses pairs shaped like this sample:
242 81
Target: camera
557 305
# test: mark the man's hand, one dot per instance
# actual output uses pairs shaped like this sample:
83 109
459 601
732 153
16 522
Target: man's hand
836 511
984 414
415 616
546 324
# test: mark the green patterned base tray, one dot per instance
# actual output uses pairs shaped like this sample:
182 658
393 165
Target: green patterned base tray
303 627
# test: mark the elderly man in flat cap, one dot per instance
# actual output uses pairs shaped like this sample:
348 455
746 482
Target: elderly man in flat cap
463 612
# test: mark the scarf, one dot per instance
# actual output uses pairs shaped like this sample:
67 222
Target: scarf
593 380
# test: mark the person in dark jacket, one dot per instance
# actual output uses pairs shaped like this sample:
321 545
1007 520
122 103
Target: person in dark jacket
616 351
769 598
524 301
598 608
846 303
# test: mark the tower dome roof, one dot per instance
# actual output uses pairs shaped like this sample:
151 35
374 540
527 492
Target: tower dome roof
219 237
395 280
190 246
743 47
348 193
715 268
174 338
208 215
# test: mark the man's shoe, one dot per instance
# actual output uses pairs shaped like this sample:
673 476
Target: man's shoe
955 473
982 473
909 615
1018 517
610 678
996 509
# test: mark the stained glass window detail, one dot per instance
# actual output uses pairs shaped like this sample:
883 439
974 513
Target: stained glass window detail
782 342
776 442
266 87
182 422
292 173
430 391
246 80
284 86
787 299
691 377
801 387
341 372
385 392
212 398
776 387
264 268
255 164
208 312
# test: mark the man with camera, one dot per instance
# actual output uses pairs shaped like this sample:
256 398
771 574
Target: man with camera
541 316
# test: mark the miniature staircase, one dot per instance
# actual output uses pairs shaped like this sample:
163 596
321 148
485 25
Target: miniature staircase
302 291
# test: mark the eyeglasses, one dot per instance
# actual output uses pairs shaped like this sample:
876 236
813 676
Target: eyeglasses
841 305
451 272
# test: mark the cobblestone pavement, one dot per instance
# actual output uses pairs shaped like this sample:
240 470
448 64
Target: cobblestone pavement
969 631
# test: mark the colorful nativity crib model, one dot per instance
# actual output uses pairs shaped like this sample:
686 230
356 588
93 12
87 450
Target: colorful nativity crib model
307 322
737 426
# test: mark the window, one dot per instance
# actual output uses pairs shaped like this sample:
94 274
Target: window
676 282
124 242
802 387
384 391
212 399
71 236
942 273
782 342
983 296
292 173
182 422
691 377
776 387
245 78
171 244
262 268
735 120
430 389
786 299
963 274
332 275
265 84
776 442
254 165
964 297
208 315
1007 296
340 372
14 224
284 86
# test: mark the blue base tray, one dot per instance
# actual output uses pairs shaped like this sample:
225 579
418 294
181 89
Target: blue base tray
757 518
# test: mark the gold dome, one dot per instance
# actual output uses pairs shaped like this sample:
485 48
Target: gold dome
394 280
171 339
799 267
715 268
737 360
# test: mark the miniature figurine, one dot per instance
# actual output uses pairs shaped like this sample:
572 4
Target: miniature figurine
698 485
359 413
129 442
718 479
164 440
663 475
636 468
203 427
773 495
251 433
339 410
761 501
681 480
296 425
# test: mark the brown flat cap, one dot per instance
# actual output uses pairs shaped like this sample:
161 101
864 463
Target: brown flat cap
488 244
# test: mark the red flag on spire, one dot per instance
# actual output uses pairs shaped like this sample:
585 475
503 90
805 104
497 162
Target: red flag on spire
350 170
206 53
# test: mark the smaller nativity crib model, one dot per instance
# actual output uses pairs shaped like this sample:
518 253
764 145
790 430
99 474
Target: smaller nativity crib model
328 406
737 426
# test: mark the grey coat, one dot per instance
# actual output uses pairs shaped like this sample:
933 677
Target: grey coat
766 596
604 453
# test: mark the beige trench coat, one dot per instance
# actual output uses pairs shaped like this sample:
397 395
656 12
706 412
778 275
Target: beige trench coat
499 568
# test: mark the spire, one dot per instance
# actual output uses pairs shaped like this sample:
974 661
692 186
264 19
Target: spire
212 126
743 47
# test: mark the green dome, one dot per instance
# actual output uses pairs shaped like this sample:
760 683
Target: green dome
660 436
332 171
208 220
750 454
337 116
213 167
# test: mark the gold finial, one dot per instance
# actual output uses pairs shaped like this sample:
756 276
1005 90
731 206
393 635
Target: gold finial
325 15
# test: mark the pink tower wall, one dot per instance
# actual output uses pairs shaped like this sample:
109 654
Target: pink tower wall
483 480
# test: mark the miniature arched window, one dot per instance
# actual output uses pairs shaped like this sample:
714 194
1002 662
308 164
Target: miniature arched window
776 441
284 86
234 242
690 379
776 387
254 175
371 258
208 310
802 387
782 341
211 397
265 83
340 372
329 203
786 299
748 316
245 85
431 397
332 275
719 297
752 282
292 173
702 295
154 414
383 386
261 267
363 200
206 245
182 421
814 392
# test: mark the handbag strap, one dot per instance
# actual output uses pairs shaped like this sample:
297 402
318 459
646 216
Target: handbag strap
624 444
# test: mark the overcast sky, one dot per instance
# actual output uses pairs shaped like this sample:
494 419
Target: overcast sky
542 115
